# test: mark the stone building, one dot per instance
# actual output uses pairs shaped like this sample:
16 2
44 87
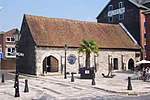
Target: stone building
128 12
43 39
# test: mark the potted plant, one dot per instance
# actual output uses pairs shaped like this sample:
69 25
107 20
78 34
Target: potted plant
88 47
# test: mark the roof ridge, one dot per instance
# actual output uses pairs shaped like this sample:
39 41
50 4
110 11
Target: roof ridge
65 19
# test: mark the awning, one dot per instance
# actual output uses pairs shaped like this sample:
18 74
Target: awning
143 62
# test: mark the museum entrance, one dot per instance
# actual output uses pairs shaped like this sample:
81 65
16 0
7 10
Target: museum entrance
50 64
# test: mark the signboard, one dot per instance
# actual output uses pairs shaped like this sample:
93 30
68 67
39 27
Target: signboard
87 72
116 12
19 54
1 55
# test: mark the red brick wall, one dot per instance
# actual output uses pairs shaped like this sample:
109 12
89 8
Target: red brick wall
9 33
8 64
148 35
142 28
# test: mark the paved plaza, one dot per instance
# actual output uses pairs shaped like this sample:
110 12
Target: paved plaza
55 87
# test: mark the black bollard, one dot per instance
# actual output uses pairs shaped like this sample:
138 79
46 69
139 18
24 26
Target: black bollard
72 76
3 79
17 87
93 79
15 81
129 83
26 89
67 73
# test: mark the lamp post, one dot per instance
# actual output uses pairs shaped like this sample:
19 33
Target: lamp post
95 62
16 36
65 73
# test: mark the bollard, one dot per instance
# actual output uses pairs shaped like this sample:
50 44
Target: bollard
67 73
26 89
72 76
3 79
93 79
15 81
17 87
129 84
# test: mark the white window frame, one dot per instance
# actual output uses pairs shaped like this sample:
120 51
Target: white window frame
109 19
120 3
110 7
11 53
9 37
121 18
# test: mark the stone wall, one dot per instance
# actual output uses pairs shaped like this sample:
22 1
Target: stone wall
102 59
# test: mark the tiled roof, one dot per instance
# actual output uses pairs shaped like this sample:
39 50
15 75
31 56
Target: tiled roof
139 3
10 31
58 32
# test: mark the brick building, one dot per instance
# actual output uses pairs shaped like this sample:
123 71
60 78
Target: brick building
128 12
147 15
42 42
8 62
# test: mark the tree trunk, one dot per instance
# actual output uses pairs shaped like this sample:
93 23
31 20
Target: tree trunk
87 62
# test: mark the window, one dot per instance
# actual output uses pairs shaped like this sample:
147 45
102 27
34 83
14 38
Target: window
144 24
110 16
120 5
110 8
145 35
121 16
10 50
10 39
110 19
145 47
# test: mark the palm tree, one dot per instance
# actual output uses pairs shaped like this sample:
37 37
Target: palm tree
88 47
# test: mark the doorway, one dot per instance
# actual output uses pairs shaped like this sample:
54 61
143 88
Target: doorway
50 64
115 63
131 64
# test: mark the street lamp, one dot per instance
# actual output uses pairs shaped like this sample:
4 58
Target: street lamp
65 73
16 36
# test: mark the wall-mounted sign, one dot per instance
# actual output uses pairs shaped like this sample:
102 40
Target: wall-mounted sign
116 12
72 59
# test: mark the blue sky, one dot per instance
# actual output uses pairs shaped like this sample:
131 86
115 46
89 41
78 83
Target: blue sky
13 10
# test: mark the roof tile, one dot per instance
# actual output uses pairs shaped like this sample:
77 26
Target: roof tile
58 31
